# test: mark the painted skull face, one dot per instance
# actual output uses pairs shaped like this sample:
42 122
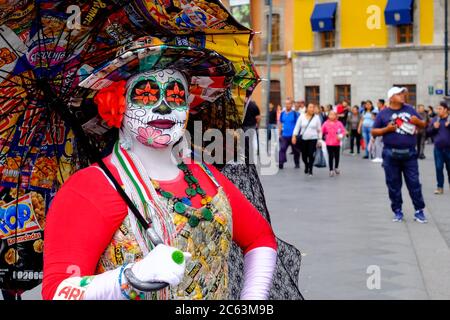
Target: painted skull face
157 107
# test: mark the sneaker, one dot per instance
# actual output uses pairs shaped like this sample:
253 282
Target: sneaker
439 191
281 166
366 157
398 216
331 174
377 160
337 171
422 157
420 217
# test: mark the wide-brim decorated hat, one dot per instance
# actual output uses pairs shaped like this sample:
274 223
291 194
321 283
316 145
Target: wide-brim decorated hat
210 74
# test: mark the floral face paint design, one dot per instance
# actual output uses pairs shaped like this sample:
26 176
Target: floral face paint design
157 107
148 92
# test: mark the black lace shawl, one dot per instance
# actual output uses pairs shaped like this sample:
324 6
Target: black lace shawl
285 281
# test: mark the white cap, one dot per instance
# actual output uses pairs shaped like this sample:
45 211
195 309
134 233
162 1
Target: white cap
396 90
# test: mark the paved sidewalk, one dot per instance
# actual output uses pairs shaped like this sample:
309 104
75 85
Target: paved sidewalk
343 226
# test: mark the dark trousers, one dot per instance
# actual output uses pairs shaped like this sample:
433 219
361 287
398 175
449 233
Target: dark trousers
394 169
333 156
285 142
441 159
308 148
421 138
354 135
9 296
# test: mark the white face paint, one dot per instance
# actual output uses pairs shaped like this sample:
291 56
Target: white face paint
157 108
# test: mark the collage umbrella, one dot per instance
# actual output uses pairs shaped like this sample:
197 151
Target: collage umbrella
47 48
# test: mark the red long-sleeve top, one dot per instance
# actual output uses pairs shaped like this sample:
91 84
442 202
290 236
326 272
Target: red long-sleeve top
87 211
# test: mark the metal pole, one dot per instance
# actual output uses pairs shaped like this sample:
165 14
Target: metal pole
269 59
447 93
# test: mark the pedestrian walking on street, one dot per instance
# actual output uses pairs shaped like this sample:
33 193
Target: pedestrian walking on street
439 129
250 127
353 121
431 113
398 125
288 119
366 124
324 113
421 133
307 132
362 107
333 132
273 123
378 141
300 107
318 113
342 112
381 104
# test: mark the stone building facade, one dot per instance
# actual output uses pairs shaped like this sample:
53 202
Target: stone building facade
369 70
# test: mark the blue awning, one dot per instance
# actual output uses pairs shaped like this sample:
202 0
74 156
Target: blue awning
399 12
323 17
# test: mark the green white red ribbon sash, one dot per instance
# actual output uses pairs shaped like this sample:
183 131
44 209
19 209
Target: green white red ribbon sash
140 189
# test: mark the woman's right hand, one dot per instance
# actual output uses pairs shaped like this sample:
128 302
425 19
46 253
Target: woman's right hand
294 140
162 264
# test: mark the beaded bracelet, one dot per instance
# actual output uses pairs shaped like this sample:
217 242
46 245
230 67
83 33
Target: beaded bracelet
127 291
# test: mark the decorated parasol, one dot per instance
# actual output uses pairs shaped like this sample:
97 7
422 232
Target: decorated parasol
48 121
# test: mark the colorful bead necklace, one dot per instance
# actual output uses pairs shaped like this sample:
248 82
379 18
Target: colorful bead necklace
180 204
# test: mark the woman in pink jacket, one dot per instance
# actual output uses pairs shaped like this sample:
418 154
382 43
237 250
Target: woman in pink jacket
333 131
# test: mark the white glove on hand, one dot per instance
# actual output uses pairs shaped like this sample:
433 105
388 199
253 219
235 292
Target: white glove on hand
157 266
162 264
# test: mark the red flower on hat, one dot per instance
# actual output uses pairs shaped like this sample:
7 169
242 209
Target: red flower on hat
111 103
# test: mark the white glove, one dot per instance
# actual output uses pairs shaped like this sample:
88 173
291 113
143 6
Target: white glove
157 266
162 264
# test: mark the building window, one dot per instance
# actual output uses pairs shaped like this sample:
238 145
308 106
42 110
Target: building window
405 34
276 37
312 94
342 92
411 96
275 92
328 39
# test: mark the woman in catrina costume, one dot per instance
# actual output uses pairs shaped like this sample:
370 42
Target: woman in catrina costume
96 246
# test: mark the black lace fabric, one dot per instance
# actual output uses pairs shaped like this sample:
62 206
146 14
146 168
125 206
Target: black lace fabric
285 281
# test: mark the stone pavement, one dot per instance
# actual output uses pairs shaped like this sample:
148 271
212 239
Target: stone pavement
343 227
